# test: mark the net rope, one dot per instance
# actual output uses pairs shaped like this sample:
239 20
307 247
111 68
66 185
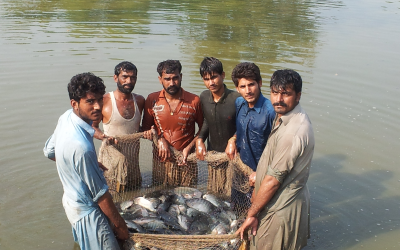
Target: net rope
135 169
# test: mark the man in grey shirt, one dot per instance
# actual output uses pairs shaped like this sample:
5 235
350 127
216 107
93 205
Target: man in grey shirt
219 110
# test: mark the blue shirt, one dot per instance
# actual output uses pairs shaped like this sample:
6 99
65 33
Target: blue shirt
253 126
83 181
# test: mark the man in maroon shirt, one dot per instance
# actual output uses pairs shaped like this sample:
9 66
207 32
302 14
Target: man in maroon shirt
174 112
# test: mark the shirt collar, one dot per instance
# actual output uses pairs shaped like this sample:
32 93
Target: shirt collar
81 123
286 117
259 103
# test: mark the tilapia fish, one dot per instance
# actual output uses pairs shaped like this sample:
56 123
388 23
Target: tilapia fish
181 211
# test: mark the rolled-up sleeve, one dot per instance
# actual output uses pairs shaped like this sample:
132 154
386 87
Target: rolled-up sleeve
88 169
49 148
285 157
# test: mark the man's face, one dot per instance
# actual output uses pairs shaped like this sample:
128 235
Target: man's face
89 107
284 100
214 81
171 82
126 81
250 90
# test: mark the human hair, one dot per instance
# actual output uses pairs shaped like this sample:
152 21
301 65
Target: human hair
211 65
283 78
83 83
169 66
246 70
126 67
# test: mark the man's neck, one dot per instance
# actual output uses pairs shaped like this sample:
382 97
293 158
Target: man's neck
218 95
122 96
177 96
252 105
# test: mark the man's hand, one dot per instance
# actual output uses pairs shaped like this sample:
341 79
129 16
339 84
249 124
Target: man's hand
200 149
231 148
149 133
121 233
252 179
100 136
250 222
163 149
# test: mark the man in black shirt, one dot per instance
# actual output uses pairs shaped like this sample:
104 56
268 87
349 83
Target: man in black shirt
219 110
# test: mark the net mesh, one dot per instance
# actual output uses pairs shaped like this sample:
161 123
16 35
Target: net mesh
135 170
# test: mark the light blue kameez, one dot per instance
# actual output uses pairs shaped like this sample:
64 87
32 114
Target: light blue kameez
72 146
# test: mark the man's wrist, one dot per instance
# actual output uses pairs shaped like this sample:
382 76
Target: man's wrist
232 139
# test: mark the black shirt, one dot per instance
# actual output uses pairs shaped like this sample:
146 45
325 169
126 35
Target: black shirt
219 118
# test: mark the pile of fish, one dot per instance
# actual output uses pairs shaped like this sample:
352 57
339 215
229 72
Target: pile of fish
180 211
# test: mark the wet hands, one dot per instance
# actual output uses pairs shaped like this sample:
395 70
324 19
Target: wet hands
231 148
149 133
163 150
200 149
250 222
252 179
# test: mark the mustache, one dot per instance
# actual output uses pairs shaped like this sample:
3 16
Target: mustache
280 104
172 87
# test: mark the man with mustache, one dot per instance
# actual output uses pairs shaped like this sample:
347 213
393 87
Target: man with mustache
86 200
254 116
122 109
174 112
218 104
121 115
280 212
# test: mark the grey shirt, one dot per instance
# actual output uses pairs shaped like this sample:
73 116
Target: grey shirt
219 118
284 221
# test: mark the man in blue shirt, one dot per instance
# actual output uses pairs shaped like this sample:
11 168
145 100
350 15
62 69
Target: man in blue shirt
254 116
86 200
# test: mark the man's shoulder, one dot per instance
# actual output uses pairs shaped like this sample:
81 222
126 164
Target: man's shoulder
231 94
239 100
205 94
267 105
188 96
153 96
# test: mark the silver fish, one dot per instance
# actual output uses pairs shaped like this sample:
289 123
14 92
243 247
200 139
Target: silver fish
219 229
192 213
214 200
132 226
169 220
137 211
189 192
184 221
201 205
178 199
234 226
199 227
151 224
145 203
125 205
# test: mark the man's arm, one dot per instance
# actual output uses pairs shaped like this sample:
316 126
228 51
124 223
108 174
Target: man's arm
108 207
186 150
49 148
98 134
267 190
231 149
200 147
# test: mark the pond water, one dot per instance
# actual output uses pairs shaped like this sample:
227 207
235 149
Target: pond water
347 53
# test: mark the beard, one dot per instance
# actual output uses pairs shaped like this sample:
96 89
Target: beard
121 87
172 90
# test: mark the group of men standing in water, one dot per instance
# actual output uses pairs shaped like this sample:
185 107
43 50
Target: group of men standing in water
274 137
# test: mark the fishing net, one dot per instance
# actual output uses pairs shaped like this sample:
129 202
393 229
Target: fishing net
135 169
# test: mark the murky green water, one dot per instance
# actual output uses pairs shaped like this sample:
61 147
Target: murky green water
346 51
